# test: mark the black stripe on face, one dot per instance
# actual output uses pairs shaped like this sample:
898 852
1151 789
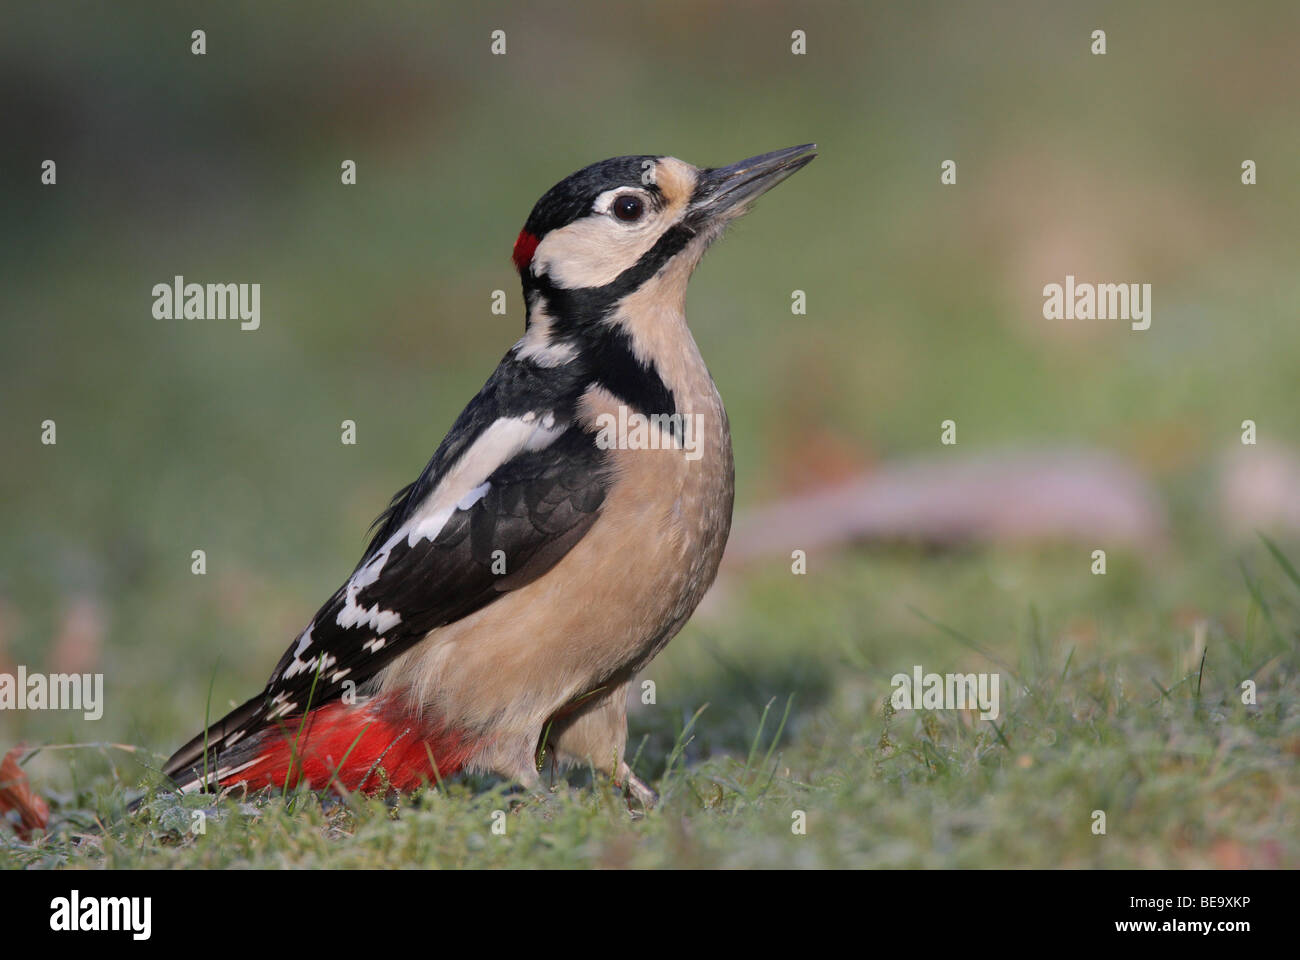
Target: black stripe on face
580 317
573 309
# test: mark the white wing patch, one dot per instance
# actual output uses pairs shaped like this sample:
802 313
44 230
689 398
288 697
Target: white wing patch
219 775
281 704
353 615
474 496
300 665
498 444
464 485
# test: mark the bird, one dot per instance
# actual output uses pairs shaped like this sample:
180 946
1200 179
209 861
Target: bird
562 533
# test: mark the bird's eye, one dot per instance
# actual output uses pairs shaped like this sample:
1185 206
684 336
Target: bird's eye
628 207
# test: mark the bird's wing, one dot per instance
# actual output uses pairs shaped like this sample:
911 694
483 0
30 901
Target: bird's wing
448 559
510 500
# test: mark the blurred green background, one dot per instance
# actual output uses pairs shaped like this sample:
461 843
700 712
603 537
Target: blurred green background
924 302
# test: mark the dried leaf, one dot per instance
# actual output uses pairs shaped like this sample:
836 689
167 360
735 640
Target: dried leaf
16 795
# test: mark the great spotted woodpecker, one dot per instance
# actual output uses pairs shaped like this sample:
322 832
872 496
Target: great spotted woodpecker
548 550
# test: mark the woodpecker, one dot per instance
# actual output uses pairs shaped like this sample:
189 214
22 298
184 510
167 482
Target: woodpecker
562 533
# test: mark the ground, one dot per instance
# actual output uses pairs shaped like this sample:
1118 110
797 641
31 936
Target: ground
1118 696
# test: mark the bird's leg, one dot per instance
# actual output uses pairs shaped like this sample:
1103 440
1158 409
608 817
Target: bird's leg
634 787
597 734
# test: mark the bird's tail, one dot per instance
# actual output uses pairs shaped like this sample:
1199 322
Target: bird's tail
362 746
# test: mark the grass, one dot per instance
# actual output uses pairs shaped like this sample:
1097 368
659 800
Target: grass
1134 710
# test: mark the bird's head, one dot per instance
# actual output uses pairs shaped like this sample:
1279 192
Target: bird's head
603 232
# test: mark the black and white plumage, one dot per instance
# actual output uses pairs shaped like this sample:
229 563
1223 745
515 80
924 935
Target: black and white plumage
447 545
518 583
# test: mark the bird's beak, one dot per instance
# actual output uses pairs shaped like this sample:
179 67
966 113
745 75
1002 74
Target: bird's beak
722 193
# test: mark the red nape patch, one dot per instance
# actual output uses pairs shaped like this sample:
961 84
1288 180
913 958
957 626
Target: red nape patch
347 746
525 247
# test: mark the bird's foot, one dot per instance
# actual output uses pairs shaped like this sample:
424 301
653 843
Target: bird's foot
634 788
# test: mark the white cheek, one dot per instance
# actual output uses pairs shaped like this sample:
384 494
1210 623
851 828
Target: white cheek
593 251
